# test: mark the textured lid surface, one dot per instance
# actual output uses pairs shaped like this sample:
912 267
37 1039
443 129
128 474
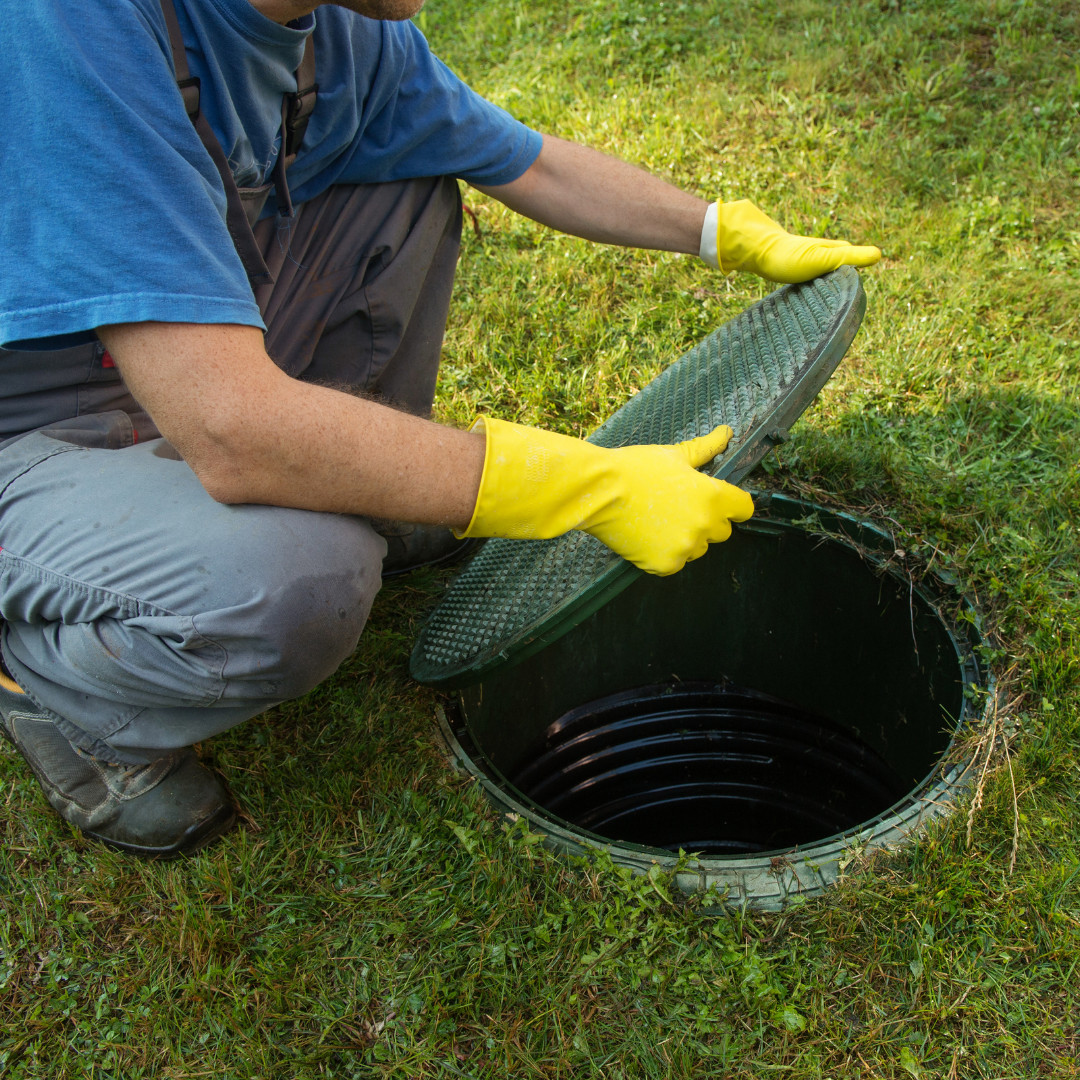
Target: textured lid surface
757 373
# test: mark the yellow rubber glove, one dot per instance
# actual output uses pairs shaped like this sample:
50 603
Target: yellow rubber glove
747 239
647 503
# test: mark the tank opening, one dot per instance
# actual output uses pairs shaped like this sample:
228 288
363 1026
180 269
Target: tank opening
709 768
791 689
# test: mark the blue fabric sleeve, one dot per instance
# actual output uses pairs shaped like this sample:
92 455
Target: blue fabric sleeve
416 118
115 212
114 209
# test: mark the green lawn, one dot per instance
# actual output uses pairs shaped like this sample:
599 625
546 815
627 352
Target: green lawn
371 918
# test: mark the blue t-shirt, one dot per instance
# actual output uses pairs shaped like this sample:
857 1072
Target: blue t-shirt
113 210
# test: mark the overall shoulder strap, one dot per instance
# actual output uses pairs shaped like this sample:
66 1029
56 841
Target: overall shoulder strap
189 87
296 110
302 104
236 219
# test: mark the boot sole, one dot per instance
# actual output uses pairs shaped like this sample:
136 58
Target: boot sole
196 838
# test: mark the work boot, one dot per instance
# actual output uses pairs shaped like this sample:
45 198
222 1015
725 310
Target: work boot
171 806
409 547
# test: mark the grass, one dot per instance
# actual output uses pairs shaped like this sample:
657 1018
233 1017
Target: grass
371 918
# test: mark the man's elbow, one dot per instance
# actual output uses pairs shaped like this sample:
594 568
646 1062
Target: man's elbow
226 468
226 487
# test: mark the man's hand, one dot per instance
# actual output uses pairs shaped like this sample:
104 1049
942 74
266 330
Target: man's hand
747 239
253 435
647 503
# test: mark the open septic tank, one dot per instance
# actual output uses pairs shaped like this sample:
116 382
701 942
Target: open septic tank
786 698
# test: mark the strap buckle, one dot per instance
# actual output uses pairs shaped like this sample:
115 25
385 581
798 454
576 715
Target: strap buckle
190 91
297 114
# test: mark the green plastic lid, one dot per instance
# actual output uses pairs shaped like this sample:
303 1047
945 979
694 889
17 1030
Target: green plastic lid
758 373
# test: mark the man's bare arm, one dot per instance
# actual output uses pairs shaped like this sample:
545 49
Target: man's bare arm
254 435
580 191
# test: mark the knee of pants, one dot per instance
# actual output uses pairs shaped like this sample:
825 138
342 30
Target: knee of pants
290 637
296 619
153 605
125 689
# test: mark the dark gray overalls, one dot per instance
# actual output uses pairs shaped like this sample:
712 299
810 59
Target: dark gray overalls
143 616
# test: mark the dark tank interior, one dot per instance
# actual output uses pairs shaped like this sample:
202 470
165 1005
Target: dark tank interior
780 690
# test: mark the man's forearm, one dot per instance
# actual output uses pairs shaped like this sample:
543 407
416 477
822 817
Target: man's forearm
585 193
254 435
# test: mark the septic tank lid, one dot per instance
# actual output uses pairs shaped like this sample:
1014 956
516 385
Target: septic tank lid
758 373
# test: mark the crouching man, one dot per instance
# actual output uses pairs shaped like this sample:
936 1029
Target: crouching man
231 235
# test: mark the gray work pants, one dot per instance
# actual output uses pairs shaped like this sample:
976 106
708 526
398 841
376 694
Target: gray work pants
140 614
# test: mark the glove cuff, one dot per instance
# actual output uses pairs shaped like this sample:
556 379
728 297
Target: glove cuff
735 249
746 239
479 424
708 252
536 484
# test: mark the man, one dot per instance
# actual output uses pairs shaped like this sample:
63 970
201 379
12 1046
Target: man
212 432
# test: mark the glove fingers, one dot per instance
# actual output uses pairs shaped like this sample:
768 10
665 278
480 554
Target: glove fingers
823 259
862 255
739 505
808 258
724 504
720 532
729 504
703 449
697 551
